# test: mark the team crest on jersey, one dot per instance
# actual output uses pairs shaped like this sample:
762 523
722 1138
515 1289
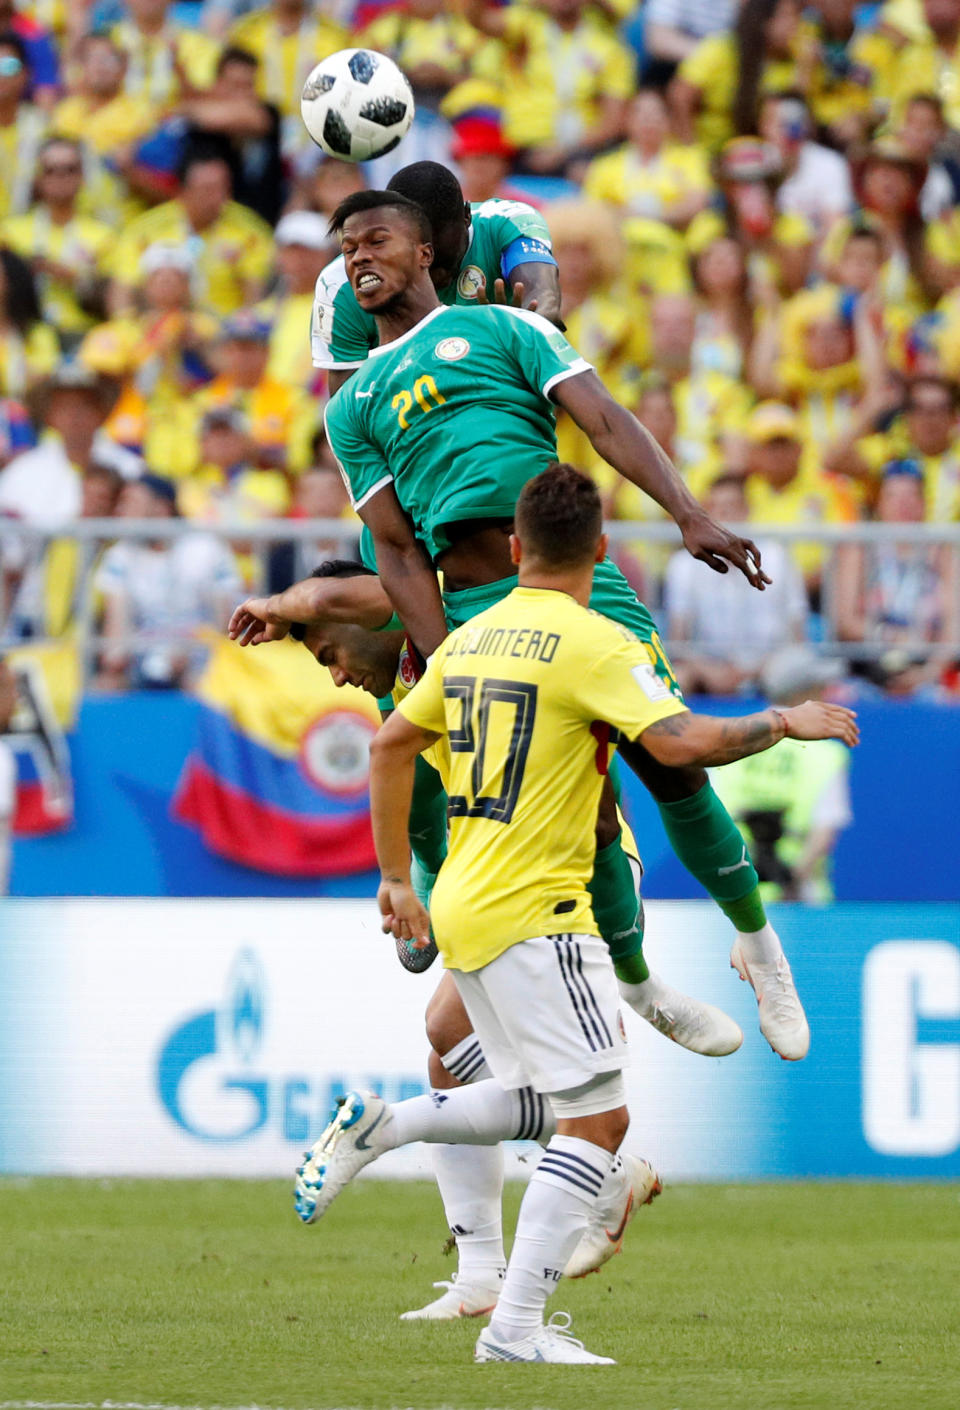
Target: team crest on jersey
471 281
452 349
406 670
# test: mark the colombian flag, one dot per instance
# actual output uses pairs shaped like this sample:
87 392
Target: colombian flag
277 780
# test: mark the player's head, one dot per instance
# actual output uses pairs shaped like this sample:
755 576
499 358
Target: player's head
353 655
386 246
437 191
558 524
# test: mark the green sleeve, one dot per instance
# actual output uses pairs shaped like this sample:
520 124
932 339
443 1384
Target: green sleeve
362 465
538 350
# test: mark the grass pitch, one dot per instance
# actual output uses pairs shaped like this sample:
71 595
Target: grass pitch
195 1293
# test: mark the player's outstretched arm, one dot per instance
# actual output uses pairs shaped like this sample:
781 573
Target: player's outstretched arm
709 740
629 448
360 601
406 572
393 756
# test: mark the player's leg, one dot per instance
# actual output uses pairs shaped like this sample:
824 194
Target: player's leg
708 842
693 1024
548 1010
469 1178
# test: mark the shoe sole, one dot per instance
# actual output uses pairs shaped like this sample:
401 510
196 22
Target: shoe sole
738 963
620 1233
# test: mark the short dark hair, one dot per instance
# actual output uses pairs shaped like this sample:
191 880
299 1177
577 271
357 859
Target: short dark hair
727 480
333 568
359 201
559 516
928 100
233 54
435 190
198 151
860 230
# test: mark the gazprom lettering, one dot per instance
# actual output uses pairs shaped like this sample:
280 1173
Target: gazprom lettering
209 1082
911 1084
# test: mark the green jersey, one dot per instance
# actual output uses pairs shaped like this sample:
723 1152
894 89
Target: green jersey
502 235
455 414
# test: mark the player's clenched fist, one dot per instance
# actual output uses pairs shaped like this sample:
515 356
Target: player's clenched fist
815 719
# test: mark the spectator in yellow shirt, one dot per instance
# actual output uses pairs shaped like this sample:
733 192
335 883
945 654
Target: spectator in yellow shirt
100 111
931 63
288 38
724 329
23 127
67 251
784 487
161 355
717 89
852 73
29 349
927 433
650 175
567 80
280 419
432 46
778 246
231 248
304 248
165 62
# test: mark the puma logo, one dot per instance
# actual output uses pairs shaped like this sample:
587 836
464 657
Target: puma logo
743 862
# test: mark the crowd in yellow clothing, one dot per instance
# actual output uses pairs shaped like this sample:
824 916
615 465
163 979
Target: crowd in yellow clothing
759 250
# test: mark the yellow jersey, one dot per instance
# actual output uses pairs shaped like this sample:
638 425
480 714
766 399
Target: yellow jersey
556 80
124 119
155 62
518 692
81 249
650 189
236 250
712 68
284 60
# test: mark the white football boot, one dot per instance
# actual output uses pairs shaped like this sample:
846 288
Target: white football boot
459 1300
550 1343
355 1136
782 1020
700 1027
607 1226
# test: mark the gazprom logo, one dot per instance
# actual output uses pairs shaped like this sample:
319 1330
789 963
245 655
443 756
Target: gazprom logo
203 1071
216 1081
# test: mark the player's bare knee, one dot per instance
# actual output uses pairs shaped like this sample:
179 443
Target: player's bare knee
446 1019
595 1112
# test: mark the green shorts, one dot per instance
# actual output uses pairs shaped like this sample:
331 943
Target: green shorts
612 596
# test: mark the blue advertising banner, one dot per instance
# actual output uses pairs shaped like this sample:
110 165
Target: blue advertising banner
210 1037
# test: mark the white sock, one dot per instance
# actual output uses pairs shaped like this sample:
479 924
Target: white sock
465 1061
562 1191
761 946
470 1180
479 1115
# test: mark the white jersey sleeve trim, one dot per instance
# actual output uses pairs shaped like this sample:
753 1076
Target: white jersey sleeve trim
335 366
374 489
574 370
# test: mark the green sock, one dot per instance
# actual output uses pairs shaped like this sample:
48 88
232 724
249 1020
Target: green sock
618 912
710 846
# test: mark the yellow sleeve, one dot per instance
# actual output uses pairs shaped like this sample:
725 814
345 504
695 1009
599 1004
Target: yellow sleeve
709 61
623 690
793 229
303 424
603 180
198 54
257 257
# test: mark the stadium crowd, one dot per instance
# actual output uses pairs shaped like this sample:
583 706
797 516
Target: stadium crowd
756 214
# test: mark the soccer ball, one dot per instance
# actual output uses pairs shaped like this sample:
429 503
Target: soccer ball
357 105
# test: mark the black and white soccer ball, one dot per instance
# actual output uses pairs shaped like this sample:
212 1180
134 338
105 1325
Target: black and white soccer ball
357 105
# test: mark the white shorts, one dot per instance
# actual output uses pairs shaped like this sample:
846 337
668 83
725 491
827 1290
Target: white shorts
547 1012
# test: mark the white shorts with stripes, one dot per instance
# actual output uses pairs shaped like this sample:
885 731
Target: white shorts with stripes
547 1012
